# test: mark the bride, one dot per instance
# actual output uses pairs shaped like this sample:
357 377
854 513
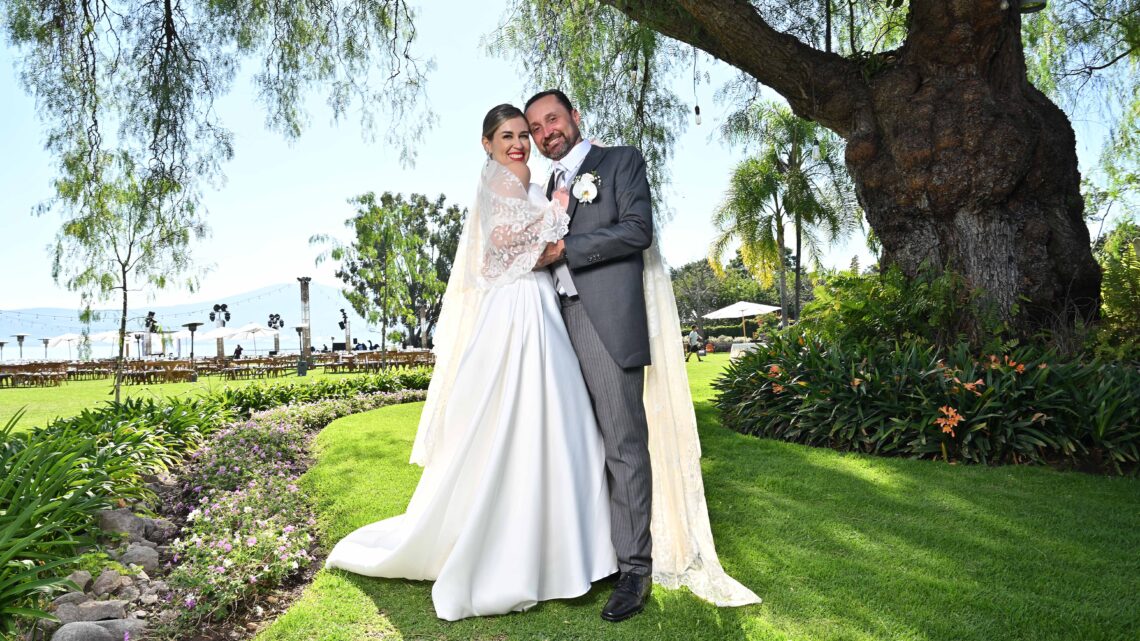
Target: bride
512 507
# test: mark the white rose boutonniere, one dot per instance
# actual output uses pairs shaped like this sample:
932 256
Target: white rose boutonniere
585 187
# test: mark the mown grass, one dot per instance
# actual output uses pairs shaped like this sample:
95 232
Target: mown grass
840 546
43 404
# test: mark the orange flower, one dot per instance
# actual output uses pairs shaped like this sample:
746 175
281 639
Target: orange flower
856 382
949 421
777 388
1042 366
1020 368
973 386
774 370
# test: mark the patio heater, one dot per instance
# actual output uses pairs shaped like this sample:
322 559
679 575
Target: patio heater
20 340
2 344
193 327
302 357
46 341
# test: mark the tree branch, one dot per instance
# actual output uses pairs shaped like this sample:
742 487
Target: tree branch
819 86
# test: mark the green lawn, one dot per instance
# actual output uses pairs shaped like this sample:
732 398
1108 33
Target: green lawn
42 404
839 547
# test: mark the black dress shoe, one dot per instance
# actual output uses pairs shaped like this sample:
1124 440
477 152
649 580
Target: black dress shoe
628 598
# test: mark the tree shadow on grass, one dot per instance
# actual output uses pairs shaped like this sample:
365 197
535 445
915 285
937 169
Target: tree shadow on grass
850 545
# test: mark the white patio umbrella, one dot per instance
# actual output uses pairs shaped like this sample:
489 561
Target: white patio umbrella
251 331
68 338
742 310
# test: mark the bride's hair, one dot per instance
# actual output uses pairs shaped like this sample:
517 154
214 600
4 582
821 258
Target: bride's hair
497 116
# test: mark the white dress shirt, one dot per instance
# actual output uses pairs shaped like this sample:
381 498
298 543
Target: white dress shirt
570 164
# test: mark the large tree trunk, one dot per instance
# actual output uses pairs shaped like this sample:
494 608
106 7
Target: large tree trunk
960 163
957 160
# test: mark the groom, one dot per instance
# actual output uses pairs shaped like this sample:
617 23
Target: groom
597 270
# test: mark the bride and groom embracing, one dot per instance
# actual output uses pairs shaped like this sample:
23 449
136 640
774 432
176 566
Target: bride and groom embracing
558 440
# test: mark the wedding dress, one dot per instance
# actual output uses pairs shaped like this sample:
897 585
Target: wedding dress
513 507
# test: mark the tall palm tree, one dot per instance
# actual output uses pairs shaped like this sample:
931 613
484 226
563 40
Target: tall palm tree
798 176
754 214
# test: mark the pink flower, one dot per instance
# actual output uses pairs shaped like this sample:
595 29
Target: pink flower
251 541
191 602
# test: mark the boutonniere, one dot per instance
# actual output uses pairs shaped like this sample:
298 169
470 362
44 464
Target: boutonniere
585 187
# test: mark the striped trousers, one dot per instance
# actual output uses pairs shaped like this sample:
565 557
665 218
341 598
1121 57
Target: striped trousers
616 394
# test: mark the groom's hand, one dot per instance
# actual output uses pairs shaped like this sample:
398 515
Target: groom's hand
552 254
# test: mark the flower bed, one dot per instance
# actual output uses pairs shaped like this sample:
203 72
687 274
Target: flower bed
248 524
911 399
60 487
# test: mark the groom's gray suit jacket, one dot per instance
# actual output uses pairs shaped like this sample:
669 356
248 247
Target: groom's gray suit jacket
603 251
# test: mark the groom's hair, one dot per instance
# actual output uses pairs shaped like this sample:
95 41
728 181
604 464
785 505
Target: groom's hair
551 92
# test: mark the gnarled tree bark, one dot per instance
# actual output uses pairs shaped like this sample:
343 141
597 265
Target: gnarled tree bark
958 161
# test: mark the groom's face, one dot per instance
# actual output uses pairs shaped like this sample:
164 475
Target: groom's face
553 128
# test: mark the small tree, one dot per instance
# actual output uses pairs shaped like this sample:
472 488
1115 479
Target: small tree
121 232
396 268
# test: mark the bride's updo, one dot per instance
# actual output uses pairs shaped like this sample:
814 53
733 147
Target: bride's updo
497 116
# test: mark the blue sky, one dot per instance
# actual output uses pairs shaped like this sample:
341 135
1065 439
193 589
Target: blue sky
277 194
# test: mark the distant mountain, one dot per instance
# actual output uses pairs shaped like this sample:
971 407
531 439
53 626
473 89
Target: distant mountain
255 306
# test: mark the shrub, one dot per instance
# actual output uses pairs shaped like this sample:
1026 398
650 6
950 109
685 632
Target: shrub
910 398
261 396
935 307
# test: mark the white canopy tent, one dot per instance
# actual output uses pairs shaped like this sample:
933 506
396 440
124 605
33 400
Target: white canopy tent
68 338
251 331
742 310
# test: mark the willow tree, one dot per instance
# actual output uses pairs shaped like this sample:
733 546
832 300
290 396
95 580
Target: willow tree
957 159
143 78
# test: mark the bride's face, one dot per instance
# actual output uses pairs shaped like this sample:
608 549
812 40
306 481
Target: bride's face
510 143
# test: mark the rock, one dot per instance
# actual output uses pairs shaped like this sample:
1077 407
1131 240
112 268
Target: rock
160 530
159 586
140 555
166 616
128 593
70 597
142 576
140 614
271 600
122 520
83 631
148 599
109 581
68 613
99 610
82 578
251 626
120 627
149 544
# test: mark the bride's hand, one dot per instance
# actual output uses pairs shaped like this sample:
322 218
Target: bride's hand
562 197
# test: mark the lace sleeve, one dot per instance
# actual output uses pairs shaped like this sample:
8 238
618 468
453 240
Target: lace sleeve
516 230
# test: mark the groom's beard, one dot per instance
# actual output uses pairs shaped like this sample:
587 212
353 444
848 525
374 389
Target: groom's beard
557 145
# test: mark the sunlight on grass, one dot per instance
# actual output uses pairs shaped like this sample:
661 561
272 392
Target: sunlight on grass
839 546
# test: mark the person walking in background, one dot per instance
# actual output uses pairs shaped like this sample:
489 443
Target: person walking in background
694 344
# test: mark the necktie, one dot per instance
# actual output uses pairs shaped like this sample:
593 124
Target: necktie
561 272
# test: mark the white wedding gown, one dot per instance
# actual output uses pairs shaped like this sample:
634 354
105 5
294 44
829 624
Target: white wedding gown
512 508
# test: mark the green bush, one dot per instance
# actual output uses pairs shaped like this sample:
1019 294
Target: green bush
910 398
1118 335
935 307
261 396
